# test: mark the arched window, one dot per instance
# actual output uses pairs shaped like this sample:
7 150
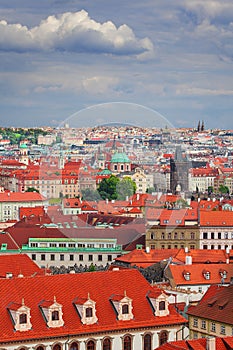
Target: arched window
89 312
125 309
90 345
40 348
163 337
162 305
127 343
147 342
107 344
57 347
22 318
55 315
73 346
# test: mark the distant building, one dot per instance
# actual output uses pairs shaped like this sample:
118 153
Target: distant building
179 174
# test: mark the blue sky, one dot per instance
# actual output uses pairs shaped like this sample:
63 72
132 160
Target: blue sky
58 57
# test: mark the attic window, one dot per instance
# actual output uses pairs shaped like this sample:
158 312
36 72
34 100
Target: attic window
159 303
187 275
86 309
206 274
123 306
52 312
67 204
20 315
223 273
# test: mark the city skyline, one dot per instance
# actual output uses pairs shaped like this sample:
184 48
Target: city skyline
60 58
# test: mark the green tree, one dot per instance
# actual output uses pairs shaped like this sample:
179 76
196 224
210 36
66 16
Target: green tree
223 189
150 190
32 189
125 188
90 195
107 187
181 203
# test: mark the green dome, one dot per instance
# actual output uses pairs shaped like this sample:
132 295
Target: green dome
120 158
23 146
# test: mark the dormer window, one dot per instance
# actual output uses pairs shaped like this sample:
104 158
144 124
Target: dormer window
223 273
187 275
159 302
20 315
52 312
206 274
123 306
86 309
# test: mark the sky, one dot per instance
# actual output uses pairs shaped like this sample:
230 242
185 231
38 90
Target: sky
60 57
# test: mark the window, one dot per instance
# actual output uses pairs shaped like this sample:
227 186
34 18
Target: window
195 322
163 337
127 343
57 347
33 256
203 324
213 327
42 257
223 329
152 246
23 318
109 257
205 246
147 342
169 236
219 235
40 348
192 235
205 235
212 235
125 309
71 257
162 305
52 257
90 345
55 315
89 312
73 346
182 235
62 257
80 257
107 344
100 258
90 257
175 235
212 246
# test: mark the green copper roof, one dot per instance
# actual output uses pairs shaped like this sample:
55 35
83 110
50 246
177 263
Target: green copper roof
120 158
23 146
105 172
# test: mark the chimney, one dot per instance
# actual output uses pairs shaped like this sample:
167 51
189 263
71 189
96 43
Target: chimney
147 250
188 260
138 196
210 343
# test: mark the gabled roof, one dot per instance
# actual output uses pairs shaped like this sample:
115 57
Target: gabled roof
66 288
21 197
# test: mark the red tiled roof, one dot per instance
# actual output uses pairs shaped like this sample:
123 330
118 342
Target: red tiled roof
18 264
21 197
218 309
198 344
197 272
216 218
66 288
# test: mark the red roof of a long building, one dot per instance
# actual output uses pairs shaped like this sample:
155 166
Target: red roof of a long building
100 286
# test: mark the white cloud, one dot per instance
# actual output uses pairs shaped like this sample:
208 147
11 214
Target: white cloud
73 32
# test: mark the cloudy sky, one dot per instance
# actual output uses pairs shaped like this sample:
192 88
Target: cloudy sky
59 57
